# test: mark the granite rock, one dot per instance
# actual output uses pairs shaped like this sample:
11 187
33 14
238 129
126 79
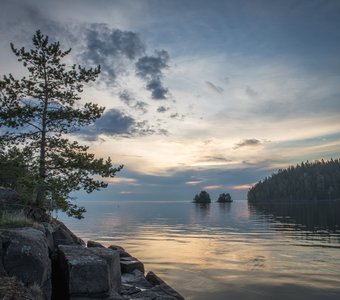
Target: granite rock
25 256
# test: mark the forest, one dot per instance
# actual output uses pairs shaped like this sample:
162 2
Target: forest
319 180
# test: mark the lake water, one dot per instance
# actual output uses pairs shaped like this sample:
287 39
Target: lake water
226 251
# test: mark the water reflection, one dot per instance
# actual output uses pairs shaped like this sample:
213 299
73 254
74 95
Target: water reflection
225 207
226 250
314 221
203 209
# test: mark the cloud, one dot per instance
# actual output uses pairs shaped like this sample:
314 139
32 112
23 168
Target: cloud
125 180
150 69
248 142
194 182
127 98
212 187
242 187
109 47
251 93
115 123
177 116
216 158
162 109
214 87
141 106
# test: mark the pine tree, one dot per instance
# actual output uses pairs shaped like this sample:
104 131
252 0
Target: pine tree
39 111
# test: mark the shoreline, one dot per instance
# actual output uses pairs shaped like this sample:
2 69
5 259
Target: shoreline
50 262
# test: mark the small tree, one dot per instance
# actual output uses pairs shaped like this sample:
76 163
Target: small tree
202 197
39 111
224 197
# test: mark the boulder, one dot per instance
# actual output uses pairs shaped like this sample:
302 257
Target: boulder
88 272
135 279
163 286
9 195
63 236
116 247
94 244
121 251
25 256
136 286
113 262
129 264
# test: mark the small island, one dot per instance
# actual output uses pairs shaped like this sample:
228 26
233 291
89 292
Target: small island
224 198
202 197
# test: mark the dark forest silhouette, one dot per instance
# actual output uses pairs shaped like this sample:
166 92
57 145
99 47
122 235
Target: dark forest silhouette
319 180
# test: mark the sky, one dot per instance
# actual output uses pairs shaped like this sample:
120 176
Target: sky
199 95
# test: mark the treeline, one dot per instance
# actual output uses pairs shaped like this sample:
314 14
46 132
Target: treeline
319 180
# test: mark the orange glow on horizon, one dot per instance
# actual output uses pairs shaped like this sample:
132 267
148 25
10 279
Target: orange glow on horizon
242 187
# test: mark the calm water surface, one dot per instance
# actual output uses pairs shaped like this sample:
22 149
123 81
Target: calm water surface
230 251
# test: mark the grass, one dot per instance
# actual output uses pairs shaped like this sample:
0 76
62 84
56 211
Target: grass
14 220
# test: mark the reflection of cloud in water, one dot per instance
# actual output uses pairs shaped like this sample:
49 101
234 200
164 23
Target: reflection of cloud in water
216 250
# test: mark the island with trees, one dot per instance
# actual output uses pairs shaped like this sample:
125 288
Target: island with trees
319 180
202 197
224 198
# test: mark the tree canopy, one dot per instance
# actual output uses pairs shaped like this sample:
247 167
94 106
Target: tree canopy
224 197
202 197
319 180
37 115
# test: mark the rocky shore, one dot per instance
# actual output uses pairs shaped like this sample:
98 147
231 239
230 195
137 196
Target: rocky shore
47 261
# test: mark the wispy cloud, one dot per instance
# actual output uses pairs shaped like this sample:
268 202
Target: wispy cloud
251 93
122 180
212 187
214 87
194 182
162 109
242 187
125 192
248 142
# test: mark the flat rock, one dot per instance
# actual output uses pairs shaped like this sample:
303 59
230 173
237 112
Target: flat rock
113 262
129 264
135 279
86 273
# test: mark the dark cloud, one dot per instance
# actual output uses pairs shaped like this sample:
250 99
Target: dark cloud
129 99
109 47
158 92
115 123
247 142
214 87
162 109
150 68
